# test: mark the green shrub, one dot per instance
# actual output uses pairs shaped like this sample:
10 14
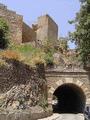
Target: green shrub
29 54
43 103
4 30
49 58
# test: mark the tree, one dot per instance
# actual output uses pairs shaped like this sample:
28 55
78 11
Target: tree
48 48
3 34
63 43
81 36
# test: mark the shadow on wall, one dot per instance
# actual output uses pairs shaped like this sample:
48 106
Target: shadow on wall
3 41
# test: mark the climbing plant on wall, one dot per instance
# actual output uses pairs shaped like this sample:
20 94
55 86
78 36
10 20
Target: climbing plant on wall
4 31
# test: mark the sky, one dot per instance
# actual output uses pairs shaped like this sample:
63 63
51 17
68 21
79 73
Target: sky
60 10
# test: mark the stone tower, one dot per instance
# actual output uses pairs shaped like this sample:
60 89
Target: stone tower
47 29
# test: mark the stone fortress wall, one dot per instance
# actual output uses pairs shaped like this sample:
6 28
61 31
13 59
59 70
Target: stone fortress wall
14 21
28 34
20 32
47 29
18 80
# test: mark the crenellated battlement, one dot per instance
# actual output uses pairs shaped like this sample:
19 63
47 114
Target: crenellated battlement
2 6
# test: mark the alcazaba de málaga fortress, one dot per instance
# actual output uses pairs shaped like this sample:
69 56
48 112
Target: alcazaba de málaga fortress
20 32
21 87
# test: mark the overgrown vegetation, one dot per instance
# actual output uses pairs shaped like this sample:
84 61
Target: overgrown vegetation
63 44
49 59
43 103
49 50
26 52
30 55
3 63
4 30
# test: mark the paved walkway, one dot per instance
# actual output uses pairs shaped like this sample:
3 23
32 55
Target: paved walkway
64 117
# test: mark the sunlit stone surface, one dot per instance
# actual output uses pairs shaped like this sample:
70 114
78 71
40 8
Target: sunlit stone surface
65 117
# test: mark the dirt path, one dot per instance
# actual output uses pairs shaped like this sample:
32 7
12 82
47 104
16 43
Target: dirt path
64 117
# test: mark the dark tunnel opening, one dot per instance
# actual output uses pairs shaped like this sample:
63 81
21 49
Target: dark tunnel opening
70 99
3 41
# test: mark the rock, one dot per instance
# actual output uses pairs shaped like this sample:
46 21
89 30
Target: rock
22 97
15 104
36 109
58 60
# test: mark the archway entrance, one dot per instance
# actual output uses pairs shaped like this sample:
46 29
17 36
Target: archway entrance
70 99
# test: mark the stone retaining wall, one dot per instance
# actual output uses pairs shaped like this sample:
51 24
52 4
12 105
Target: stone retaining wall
21 86
23 115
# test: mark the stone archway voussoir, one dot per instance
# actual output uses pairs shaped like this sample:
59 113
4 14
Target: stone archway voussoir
88 101
55 86
58 83
87 94
83 86
86 89
79 83
52 90
49 100
68 80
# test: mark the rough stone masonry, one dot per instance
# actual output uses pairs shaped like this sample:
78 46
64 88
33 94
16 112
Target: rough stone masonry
20 32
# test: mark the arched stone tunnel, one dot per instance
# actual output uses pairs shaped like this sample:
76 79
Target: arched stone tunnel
69 93
72 95
70 99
